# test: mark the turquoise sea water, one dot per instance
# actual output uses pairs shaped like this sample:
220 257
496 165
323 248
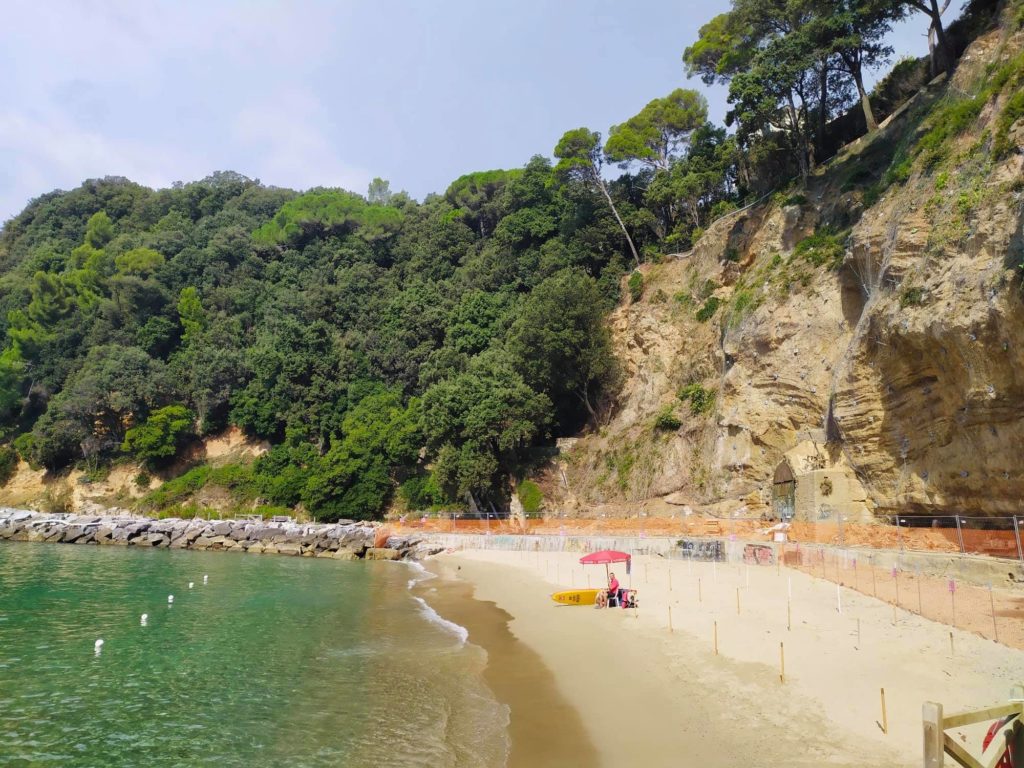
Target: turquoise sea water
277 661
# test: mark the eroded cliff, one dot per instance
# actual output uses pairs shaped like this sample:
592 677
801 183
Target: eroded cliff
874 314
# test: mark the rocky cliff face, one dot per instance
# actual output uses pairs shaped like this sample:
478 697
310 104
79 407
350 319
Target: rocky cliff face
883 325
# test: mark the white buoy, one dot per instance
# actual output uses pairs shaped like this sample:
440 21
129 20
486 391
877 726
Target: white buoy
143 619
170 599
98 646
205 578
191 584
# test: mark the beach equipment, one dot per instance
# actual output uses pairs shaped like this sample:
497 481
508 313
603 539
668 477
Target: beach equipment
606 557
576 596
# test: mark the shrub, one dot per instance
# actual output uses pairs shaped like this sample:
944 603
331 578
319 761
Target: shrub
666 420
701 400
707 311
25 444
142 480
796 199
421 492
178 489
732 254
708 287
531 497
8 463
1012 112
160 437
636 286
912 297
824 247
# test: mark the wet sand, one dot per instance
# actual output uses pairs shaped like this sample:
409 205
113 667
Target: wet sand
518 677
642 695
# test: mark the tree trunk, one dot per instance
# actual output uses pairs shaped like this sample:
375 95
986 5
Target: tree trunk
942 50
865 102
799 136
584 395
615 212
822 107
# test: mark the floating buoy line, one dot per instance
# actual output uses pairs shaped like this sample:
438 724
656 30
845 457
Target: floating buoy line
144 618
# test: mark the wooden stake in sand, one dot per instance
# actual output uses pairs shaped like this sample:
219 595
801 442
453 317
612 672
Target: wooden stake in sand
782 663
858 632
896 578
951 644
700 598
952 598
992 602
874 586
789 615
670 577
885 719
789 588
716 638
670 618
737 601
921 610
839 601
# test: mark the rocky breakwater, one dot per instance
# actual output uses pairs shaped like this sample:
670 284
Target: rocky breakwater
343 540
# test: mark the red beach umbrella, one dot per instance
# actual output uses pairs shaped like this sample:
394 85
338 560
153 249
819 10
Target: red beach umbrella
606 556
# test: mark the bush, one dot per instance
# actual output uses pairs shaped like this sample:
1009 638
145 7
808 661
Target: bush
701 400
707 311
8 463
824 247
636 286
177 490
161 436
912 297
796 199
666 420
142 480
421 492
1012 112
531 497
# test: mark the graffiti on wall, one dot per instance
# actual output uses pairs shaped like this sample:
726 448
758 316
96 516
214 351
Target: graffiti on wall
758 554
702 549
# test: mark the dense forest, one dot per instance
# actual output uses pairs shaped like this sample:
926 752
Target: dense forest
428 351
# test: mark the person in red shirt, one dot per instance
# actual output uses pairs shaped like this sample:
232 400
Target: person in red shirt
613 588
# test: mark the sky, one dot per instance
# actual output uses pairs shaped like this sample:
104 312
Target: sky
303 94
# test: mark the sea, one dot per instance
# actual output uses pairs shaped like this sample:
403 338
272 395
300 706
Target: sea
257 661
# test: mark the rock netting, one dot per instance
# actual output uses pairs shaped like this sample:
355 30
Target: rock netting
343 540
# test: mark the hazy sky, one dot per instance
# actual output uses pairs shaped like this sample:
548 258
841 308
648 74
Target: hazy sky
303 94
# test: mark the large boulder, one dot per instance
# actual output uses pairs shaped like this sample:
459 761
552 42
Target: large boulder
382 553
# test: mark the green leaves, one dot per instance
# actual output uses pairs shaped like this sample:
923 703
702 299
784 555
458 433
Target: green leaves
329 212
161 436
655 135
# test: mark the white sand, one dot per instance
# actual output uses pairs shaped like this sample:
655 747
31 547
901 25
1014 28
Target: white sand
651 697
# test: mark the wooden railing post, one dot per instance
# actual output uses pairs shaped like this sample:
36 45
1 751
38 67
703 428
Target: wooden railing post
934 752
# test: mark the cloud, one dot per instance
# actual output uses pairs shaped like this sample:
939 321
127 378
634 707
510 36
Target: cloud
287 135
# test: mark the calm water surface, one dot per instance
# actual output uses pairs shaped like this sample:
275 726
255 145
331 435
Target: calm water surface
276 661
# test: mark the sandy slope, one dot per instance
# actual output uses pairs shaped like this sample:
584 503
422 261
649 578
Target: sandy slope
650 697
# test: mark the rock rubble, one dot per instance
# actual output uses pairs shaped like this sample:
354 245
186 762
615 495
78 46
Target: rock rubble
343 540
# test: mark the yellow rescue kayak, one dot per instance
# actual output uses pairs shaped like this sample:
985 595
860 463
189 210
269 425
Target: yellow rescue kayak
576 597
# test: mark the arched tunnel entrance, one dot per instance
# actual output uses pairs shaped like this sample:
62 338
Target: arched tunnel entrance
784 492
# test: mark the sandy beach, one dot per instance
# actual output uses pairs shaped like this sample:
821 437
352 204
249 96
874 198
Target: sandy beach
617 688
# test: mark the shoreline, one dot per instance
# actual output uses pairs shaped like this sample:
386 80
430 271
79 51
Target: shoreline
647 695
